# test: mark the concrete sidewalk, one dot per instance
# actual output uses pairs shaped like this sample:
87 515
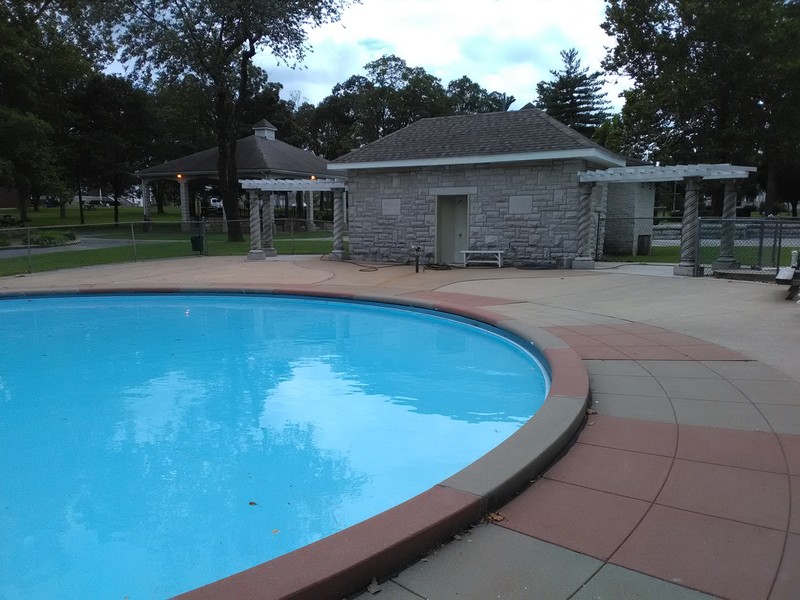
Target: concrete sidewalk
685 479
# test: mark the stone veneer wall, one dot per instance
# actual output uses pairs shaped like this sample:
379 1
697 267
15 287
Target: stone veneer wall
528 209
629 216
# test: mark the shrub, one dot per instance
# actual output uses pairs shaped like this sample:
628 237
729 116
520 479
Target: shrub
51 238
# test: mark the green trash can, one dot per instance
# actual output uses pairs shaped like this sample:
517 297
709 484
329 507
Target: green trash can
197 243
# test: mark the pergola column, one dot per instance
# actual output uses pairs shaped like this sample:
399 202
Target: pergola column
184 191
268 224
338 224
690 229
148 216
256 253
585 257
726 258
308 198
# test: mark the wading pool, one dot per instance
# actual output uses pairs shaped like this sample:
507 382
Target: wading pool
153 443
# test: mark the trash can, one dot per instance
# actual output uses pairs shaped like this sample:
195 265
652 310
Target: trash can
643 245
197 243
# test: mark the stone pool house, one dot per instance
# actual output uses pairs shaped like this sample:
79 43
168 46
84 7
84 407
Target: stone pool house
507 181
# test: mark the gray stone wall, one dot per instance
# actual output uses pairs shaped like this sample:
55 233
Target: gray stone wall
629 217
529 210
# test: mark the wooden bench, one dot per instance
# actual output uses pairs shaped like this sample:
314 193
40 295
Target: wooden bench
485 257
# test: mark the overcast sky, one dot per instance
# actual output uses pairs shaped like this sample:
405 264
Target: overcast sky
503 45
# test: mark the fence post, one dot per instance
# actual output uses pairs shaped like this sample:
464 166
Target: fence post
760 245
133 238
698 268
28 247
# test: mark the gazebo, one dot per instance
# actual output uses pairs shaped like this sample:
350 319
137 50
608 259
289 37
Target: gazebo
260 155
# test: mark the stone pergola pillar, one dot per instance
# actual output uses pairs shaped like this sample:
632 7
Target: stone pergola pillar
338 224
585 257
184 191
308 198
148 213
256 253
690 229
267 224
726 258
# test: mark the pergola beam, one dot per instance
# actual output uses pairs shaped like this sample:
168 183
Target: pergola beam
293 185
654 174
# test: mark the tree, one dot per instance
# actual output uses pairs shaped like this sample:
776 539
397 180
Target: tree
216 42
48 48
574 96
712 81
468 98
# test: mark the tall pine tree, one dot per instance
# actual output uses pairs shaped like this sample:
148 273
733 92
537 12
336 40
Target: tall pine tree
574 96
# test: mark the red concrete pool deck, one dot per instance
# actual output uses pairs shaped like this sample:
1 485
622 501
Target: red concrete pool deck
683 480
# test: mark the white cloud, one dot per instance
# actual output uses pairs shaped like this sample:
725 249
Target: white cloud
504 45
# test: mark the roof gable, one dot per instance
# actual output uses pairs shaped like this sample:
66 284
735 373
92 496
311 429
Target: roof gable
486 137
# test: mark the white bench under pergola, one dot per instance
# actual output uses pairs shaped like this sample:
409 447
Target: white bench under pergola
261 193
692 175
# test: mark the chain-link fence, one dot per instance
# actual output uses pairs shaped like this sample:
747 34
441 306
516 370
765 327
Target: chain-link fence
642 239
33 249
747 244
722 244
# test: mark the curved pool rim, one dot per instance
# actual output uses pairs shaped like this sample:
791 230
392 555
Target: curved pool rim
347 561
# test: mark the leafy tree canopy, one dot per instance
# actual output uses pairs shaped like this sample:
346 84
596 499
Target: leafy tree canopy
215 42
713 81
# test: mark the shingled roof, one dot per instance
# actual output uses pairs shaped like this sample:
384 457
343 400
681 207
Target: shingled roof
487 137
256 156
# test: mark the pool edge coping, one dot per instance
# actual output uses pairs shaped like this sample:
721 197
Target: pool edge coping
347 561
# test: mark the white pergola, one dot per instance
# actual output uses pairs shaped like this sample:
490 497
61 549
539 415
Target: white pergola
261 192
692 174
653 174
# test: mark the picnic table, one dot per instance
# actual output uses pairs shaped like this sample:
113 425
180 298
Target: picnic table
790 275
8 220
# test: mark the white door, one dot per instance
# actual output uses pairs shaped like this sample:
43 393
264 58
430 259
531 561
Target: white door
452 228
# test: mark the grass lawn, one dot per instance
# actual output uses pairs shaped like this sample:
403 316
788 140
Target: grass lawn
746 255
151 246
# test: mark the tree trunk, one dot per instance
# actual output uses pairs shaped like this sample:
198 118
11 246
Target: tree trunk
772 187
23 195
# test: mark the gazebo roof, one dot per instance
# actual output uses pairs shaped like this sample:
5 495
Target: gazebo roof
256 156
652 173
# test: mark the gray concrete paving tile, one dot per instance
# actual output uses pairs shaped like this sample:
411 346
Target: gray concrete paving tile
730 415
701 389
615 367
771 392
389 590
646 408
493 562
750 370
625 384
678 368
788 580
613 582
782 418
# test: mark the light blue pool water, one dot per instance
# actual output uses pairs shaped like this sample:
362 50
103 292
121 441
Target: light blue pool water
150 444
